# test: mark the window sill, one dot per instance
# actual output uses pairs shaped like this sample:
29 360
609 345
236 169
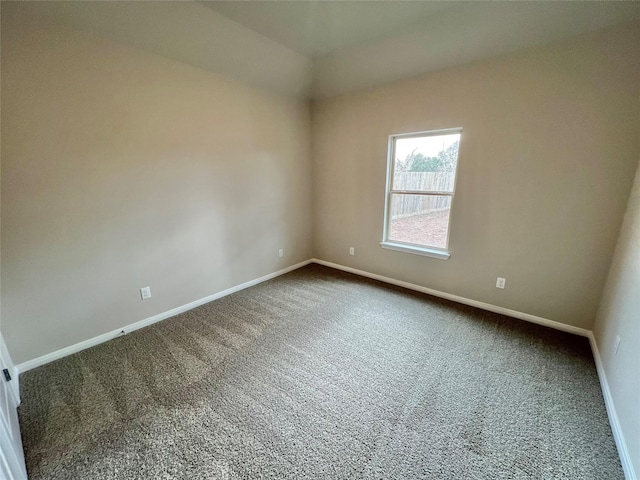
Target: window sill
427 252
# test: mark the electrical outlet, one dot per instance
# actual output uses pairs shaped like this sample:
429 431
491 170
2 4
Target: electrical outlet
500 283
352 251
281 252
616 345
145 293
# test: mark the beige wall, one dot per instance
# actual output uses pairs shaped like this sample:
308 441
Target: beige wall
619 315
547 157
121 169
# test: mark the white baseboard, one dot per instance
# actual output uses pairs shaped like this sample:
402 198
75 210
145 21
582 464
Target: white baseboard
611 411
58 354
50 357
625 459
467 301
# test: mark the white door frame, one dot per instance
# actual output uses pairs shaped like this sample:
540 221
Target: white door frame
12 466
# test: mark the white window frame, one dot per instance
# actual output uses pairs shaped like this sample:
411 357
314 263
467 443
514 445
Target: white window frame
435 252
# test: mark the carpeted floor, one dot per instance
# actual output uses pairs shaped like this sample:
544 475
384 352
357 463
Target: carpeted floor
321 374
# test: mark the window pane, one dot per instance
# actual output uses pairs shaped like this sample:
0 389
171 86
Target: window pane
424 181
426 163
420 219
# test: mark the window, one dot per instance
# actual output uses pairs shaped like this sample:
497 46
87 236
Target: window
421 176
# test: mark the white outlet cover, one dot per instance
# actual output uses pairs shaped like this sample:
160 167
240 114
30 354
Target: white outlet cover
281 252
617 345
145 293
352 251
501 282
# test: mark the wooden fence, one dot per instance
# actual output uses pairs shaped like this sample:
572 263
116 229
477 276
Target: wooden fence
403 205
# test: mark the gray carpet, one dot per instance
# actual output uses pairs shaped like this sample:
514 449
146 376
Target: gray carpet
321 374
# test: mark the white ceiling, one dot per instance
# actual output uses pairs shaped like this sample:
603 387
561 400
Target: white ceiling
315 28
465 33
311 48
356 44
180 30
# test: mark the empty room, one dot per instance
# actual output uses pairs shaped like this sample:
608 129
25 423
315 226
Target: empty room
319 239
